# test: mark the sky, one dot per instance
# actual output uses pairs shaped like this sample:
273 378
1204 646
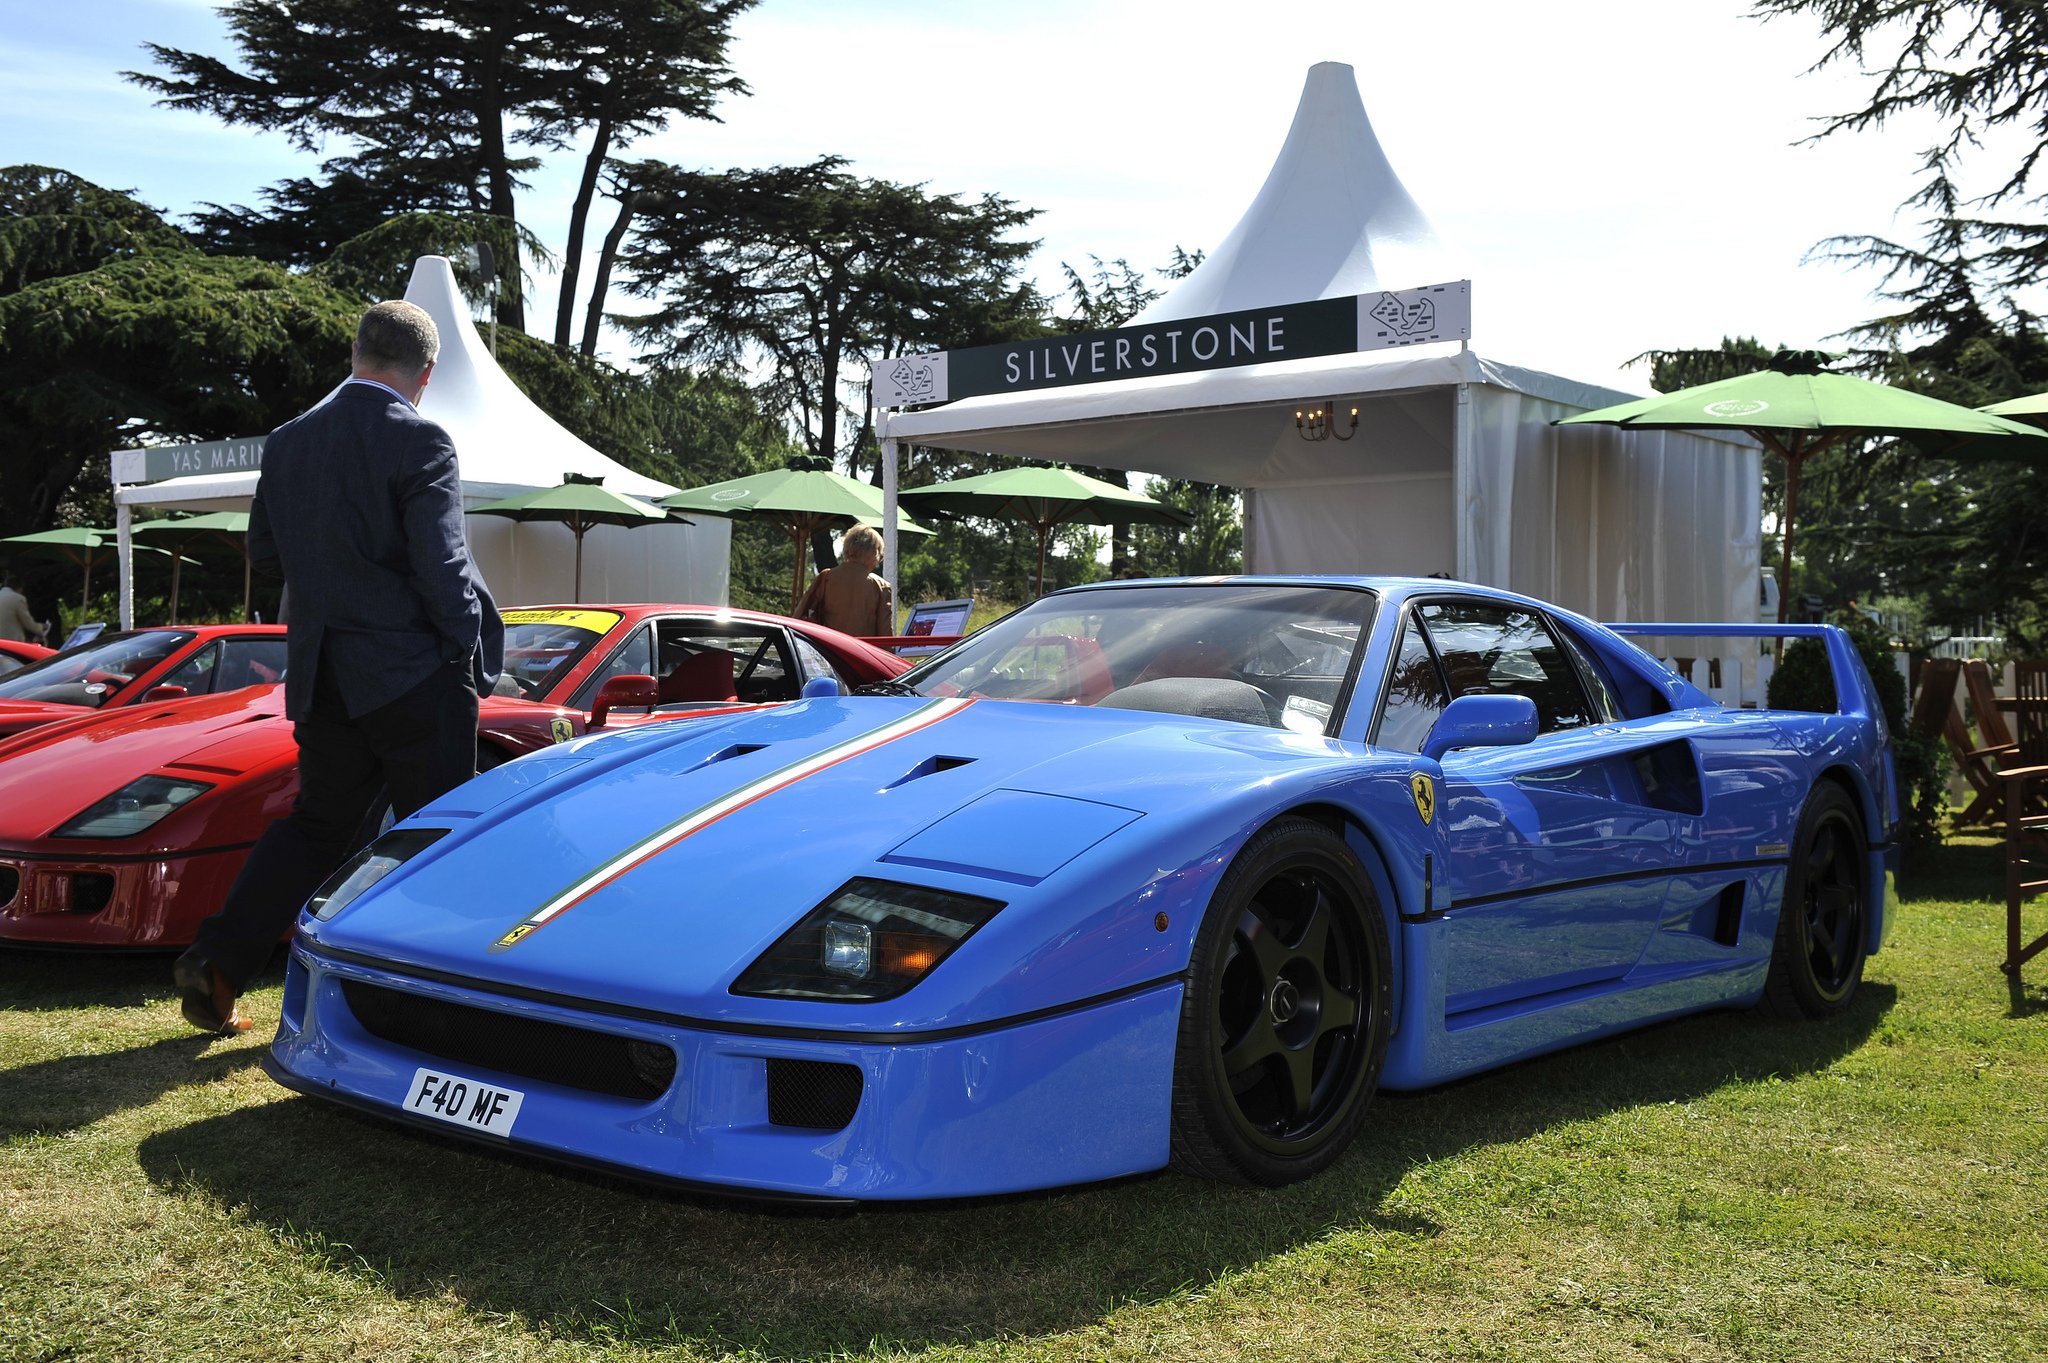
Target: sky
1612 175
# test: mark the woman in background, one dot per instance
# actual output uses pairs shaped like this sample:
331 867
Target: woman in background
852 598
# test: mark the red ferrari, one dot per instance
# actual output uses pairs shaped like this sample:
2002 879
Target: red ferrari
15 655
125 829
138 665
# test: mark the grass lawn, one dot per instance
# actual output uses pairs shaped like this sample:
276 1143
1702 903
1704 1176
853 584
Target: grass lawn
1723 1187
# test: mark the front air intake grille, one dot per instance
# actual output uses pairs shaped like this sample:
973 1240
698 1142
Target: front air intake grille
552 1052
10 885
812 1093
91 891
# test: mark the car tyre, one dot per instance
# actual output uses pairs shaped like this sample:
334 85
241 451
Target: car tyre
1285 1014
1824 925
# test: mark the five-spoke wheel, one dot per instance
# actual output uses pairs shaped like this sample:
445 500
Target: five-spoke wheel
1824 927
1284 1026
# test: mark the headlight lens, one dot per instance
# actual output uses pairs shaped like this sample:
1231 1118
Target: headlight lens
871 940
369 866
134 808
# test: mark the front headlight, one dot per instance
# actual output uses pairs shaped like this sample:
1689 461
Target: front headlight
134 808
369 866
872 940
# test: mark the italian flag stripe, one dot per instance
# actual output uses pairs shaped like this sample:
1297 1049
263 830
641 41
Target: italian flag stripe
924 717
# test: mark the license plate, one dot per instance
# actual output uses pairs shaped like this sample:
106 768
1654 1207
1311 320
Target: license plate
465 1102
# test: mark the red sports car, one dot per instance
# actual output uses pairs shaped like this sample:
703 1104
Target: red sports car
137 665
15 655
126 829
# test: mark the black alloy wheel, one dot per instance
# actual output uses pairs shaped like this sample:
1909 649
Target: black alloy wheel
1285 1018
1824 926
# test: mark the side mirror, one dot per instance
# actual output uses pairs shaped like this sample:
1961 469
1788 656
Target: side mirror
821 687
1481 722
166 693
634 690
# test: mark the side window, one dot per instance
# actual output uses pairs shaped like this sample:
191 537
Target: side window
697 665
249 662
1415 694
1498 650
195 674
812 662
636 655
1606 705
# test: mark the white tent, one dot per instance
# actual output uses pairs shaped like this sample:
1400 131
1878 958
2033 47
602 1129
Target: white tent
1454 467
504 444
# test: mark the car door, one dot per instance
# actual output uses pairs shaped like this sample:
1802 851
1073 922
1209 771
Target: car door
1556 853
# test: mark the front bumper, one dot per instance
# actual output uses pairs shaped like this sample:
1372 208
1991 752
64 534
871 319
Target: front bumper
1074 1097
76 899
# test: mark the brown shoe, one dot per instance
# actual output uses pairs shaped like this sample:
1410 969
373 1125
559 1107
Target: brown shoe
206 998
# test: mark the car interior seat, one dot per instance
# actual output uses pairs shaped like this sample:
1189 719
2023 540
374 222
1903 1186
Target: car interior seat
705 676
1186 660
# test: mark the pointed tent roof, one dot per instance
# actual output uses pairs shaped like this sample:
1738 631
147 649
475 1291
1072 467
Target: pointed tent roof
1332 219
504 443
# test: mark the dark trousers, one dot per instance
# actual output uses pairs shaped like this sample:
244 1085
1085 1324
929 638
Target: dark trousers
412 750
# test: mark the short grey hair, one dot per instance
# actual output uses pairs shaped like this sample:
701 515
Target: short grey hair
861 540
397 337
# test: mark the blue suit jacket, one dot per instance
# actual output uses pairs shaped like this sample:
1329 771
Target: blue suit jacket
360 506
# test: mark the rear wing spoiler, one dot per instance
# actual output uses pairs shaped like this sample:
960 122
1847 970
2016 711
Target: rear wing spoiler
1855 693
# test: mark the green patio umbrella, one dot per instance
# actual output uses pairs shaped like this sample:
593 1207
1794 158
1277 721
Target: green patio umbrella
230 528
581 503
79 544
798 500
1796 408
1043 498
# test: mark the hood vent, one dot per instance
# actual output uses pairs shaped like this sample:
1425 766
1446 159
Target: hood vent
931 766
728 753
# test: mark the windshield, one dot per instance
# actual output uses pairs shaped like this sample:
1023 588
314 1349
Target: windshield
542 646
1274 656
93 673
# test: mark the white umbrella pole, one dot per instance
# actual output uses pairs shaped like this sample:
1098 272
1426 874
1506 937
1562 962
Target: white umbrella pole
888 495
124 541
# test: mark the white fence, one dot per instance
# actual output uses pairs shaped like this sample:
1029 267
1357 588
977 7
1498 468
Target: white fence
1739 677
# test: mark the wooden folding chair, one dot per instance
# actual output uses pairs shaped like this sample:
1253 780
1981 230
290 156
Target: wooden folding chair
1980 759
2026 860
2030 719
1936 700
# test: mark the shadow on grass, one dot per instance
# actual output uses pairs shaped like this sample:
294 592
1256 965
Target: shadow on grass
37 980
52 1097
608 1263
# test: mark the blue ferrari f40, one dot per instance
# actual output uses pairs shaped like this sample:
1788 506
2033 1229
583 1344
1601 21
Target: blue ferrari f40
1147 874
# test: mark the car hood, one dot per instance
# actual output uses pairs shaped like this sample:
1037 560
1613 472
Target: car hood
17 715
647 868
51 773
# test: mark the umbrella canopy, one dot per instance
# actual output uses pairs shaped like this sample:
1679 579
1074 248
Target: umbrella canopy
184 533
581 504
1043 498
799 500
79 544
2033 408
1798 409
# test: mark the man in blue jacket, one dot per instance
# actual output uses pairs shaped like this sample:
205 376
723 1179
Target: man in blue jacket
391 637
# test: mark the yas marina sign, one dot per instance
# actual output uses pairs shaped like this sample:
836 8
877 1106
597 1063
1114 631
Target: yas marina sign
159 462
1292 331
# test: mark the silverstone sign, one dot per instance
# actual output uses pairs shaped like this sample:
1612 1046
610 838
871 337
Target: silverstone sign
159 462
1293 331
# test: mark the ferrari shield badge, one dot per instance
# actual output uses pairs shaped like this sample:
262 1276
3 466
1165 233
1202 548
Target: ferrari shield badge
1424 791
561 728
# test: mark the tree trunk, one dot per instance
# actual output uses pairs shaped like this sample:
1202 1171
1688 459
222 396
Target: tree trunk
579 216
490 134
601 277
